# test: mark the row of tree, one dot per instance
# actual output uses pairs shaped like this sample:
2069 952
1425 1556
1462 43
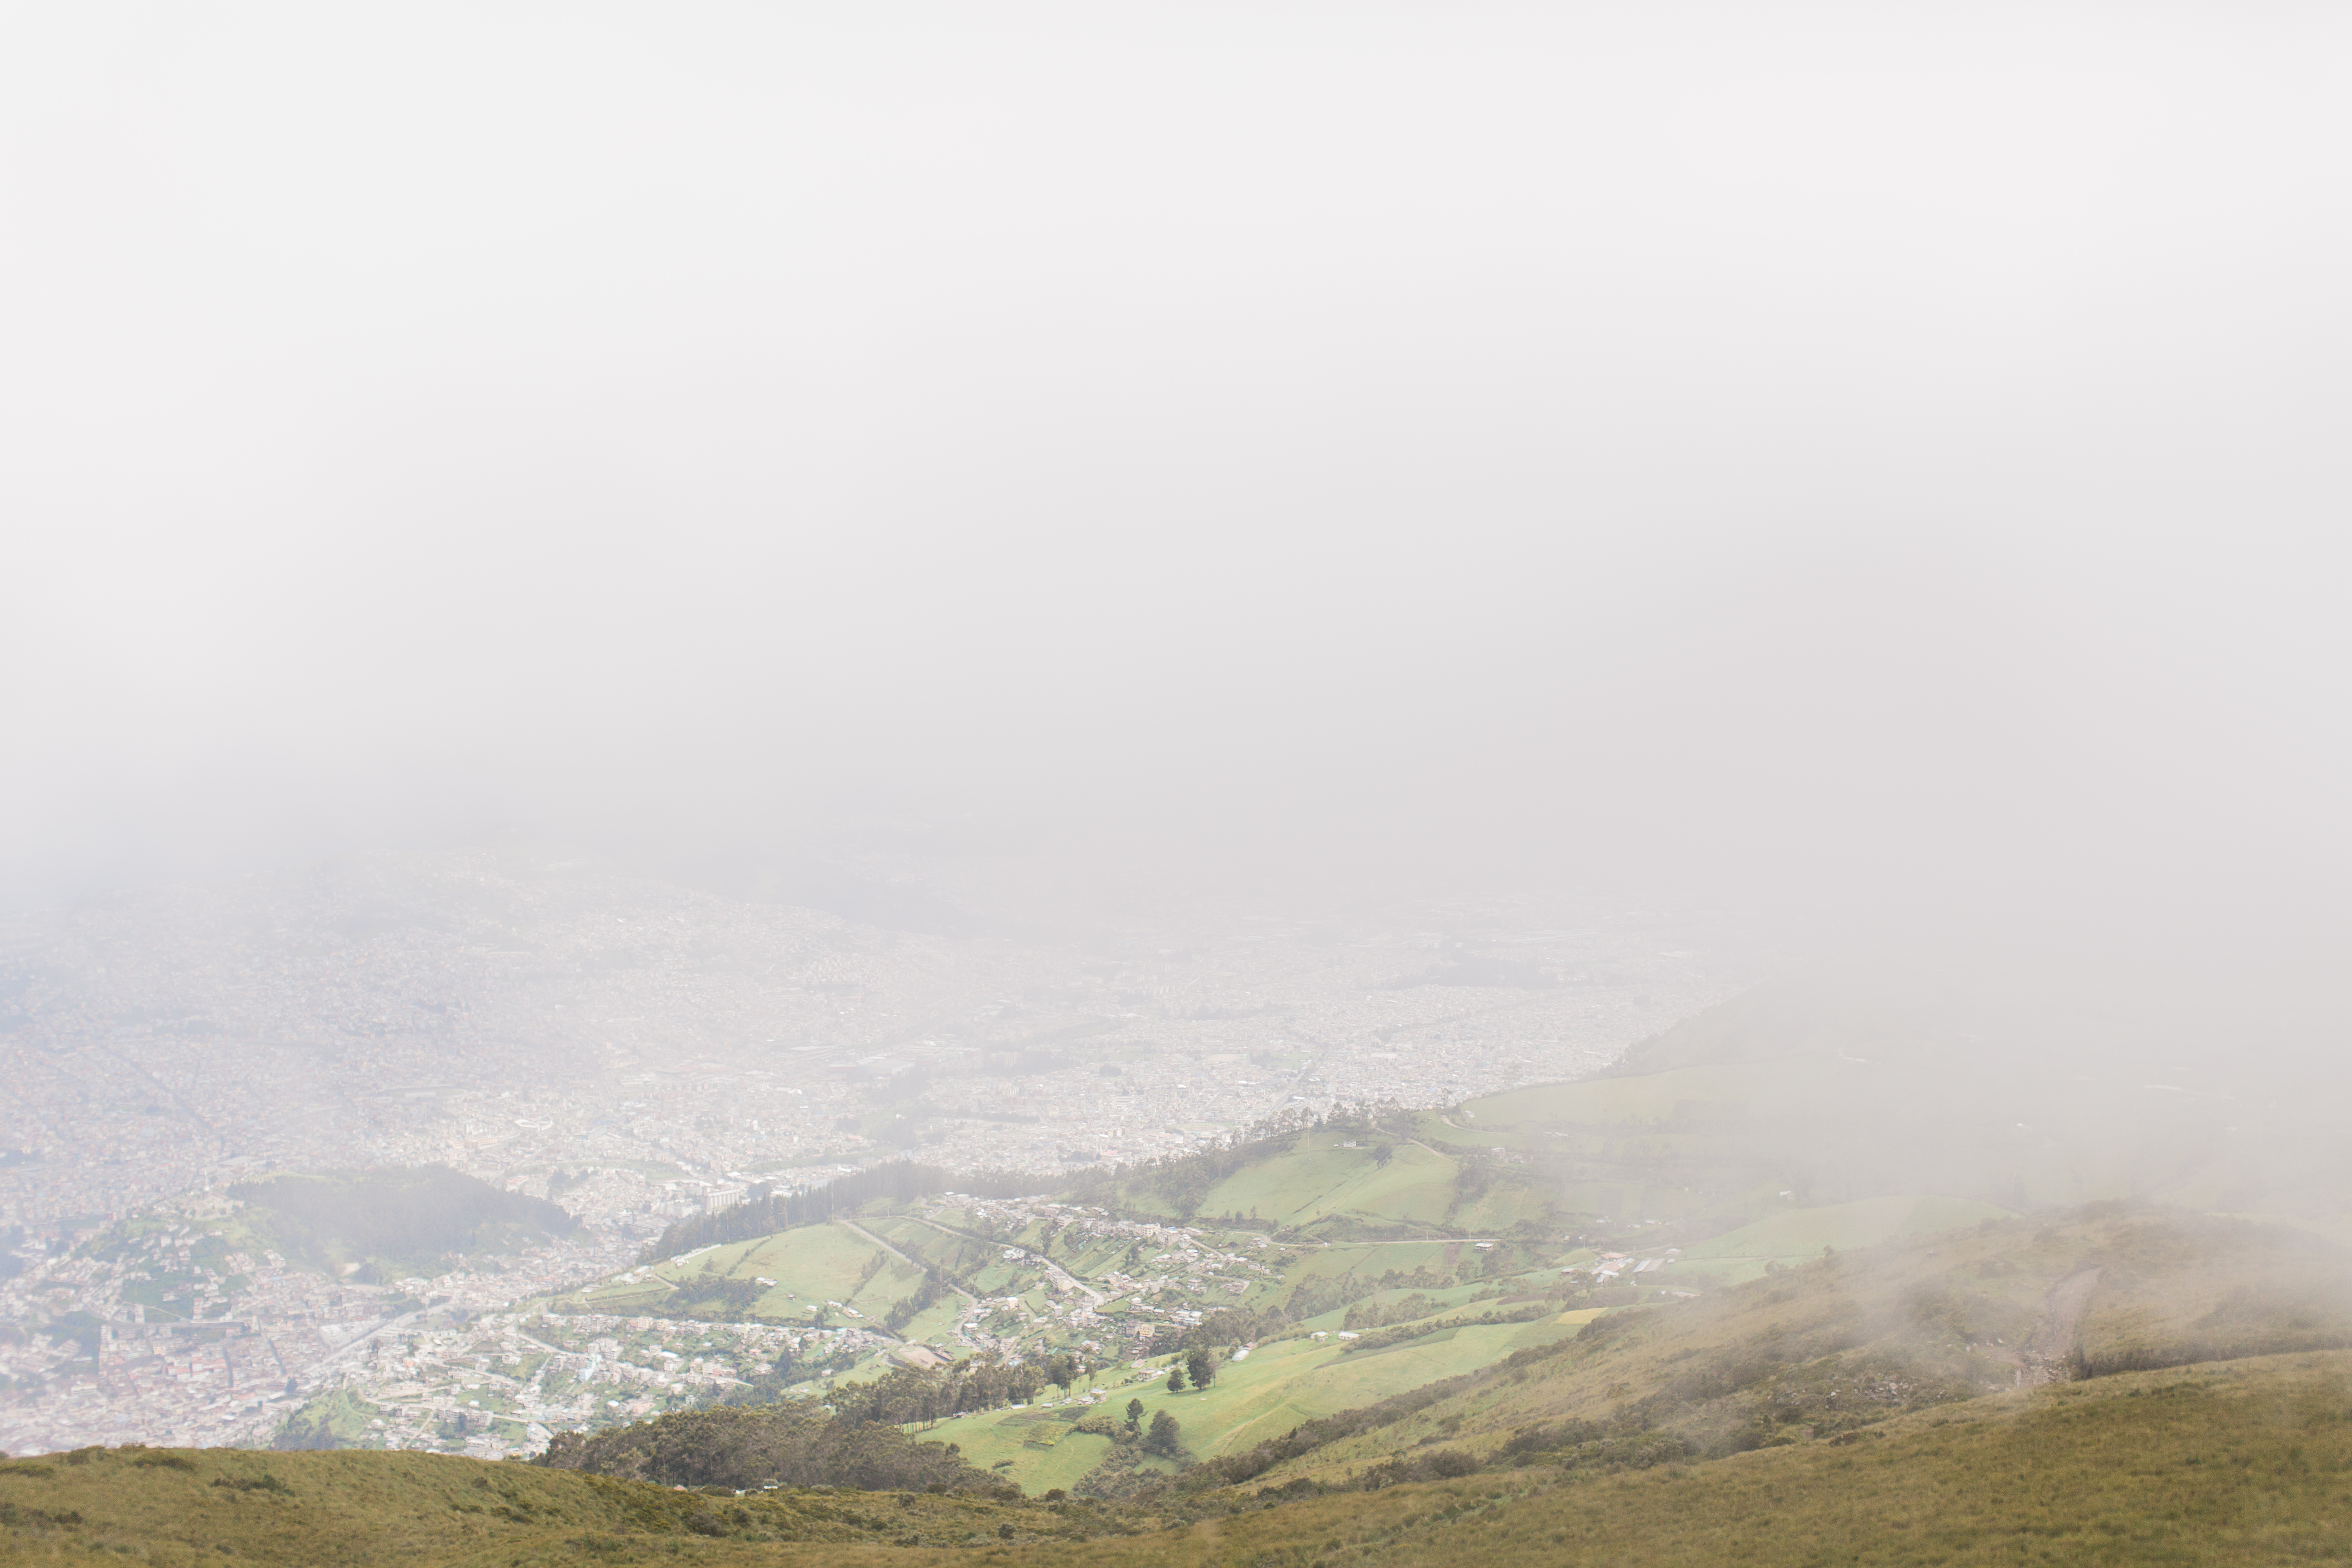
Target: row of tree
1201 1363
1164 1436
906 1308
985 1382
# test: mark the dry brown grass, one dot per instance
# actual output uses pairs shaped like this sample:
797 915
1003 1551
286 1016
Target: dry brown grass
2246 1462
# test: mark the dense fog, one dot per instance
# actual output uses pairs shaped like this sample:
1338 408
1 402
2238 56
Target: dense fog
1847 463
1862 481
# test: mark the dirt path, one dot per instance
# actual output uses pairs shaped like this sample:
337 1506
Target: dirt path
2048 1352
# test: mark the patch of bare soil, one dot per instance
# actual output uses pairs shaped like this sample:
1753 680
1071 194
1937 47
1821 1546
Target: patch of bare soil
2047 1353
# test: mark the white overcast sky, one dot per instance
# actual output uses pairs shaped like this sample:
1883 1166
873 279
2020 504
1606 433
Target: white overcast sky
1871 451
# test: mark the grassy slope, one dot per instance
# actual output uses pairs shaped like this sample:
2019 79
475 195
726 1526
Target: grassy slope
1697 1148
813 1264
1848 1341
1415 1186
2232 1463
1926 1318
1278 1386
332 1509
1870 1133
2246 1462
1364 1261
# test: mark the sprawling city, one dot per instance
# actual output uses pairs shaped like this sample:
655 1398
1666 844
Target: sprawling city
640 1052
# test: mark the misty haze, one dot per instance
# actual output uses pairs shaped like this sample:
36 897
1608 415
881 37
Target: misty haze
1261 786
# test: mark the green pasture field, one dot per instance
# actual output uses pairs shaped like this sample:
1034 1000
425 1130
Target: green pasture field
1300 1379
1369 1260
942 1248
1449 1299
1297 1188
1035 1450
811 1264
934 1323
1277 1387
1504 1206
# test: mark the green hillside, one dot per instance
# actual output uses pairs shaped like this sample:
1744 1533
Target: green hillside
1831 1266
824 1270
1274 1389
1793 1120
1894 1379
2231 1463
1848 1341
1781 1330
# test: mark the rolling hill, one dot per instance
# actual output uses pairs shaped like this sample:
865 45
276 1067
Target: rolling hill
1734 1148
1787 1286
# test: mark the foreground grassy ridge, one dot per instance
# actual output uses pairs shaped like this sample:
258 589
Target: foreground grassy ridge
2228 1463
2244 1462
171 1507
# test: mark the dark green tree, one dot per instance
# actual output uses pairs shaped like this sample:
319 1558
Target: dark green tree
1203 1366
1134 1415
737 1447
1166 1435
1175 1378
